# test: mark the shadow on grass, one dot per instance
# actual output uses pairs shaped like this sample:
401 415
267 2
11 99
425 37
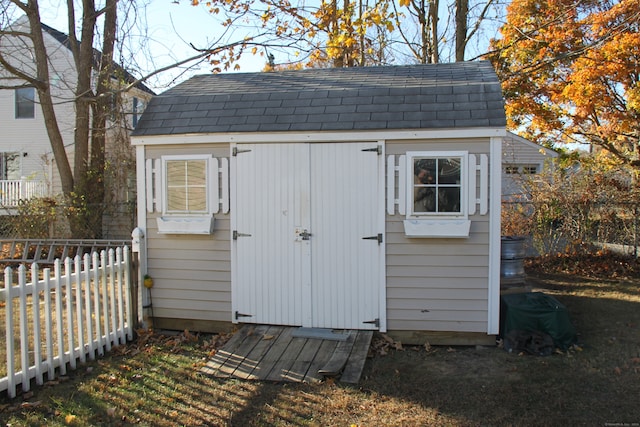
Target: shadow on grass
157 385
595 385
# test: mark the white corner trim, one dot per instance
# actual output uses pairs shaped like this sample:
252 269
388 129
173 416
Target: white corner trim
185 225
434 228
141 188
495 191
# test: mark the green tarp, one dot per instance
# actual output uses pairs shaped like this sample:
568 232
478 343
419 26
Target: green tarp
536 312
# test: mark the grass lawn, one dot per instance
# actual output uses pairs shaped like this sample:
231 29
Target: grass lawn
156 381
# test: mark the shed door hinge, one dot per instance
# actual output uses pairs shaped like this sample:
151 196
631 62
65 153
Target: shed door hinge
378 238
235 151
377 149
375 322
236 235
239 315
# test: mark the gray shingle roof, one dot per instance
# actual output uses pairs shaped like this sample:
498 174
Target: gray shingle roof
457 95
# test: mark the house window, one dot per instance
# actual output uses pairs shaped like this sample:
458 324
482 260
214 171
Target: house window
134 112
511 170
521 169
437 184
25 103
186 185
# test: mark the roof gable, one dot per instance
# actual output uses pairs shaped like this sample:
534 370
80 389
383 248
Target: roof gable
457 95
118 71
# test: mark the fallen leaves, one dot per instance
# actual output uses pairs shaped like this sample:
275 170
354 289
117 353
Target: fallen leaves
603 264
382 343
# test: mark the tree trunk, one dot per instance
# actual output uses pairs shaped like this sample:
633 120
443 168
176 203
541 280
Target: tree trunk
84 93
434 6
462 12
46 102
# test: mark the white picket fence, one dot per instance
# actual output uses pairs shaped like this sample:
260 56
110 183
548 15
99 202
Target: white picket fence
79 310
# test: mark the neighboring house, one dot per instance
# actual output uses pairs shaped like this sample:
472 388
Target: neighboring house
27 166
520 159
364 198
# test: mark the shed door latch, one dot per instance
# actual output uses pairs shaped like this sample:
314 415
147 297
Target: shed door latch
302 234
239 315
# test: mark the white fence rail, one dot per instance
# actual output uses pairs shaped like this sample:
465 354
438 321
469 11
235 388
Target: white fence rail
14 190
77 311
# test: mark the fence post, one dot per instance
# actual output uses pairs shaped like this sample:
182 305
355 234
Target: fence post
9 326
139 250
22 190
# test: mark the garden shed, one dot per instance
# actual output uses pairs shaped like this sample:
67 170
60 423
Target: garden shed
355 198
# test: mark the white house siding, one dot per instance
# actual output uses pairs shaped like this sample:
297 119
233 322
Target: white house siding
29 135
192 273
516 153
438 284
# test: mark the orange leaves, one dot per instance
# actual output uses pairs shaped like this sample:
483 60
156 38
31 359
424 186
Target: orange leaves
570 70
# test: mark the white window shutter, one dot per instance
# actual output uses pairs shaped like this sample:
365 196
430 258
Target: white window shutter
398 171
224 173
478 184
153 181
484 184
402 185
472 184
391 185
214 185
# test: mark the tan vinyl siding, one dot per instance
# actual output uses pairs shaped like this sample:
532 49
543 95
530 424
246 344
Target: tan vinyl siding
437 284
432 284
192 273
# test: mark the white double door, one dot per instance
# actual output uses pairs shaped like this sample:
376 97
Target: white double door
307 230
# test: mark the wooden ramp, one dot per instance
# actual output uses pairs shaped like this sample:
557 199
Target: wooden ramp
283 353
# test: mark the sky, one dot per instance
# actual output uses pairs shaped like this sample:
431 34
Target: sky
171 27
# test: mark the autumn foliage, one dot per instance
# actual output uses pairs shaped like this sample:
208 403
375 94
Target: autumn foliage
571 73
329 33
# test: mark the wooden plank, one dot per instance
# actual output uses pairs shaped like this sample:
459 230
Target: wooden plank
276 352
223 354
298 370
353 369
320 333
237 355
281 369
271 353
339 357
249 367
321 358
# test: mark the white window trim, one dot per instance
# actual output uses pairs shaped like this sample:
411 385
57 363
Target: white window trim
434 224
165 159
187 222
464 184
16 104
